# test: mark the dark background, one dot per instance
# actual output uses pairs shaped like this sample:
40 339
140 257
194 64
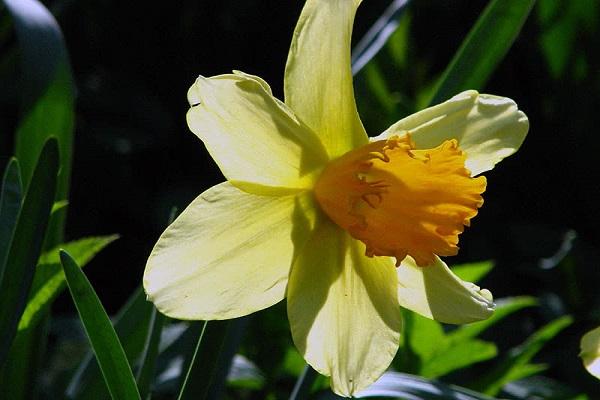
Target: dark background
134 157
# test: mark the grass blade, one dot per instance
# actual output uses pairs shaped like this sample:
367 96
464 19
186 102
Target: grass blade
149 355
516 363
49 279
504 308
399 385
10 204
484 47
304 384
131 325
103 338
26 244
376 37
217 343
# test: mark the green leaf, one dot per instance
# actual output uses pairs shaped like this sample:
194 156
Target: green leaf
210 363
458 356
377 35
149 355
515 363
424 336
303 385
49 280
561 24
131 324
10 204
504 308
541 387
26 244
48 95
244 374
484 47
101 334
405 386
59 206
473 272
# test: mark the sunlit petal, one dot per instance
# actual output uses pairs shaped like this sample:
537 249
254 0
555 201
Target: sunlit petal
255 139
435 292
488 128
318 76
590 352
343 309
228 254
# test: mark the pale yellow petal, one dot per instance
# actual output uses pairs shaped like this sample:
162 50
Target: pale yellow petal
343 310
228 254
590 352
255 139
488 128
318 76
437 293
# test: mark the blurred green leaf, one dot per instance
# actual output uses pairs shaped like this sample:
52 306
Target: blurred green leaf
404 386
26 244
424 336
484 47
304 384
49 279
145 374
244 374
103 338
209 366
504 308
377 35
380 84
473 272
293 363
515 365
561 21
59 206
456 356
131 325
47 95
10 204
541 388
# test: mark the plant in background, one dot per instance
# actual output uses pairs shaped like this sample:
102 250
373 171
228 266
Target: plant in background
347 228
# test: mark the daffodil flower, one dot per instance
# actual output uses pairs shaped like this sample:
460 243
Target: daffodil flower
347 228
590 352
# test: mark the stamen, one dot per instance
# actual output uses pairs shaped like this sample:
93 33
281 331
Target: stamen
402 201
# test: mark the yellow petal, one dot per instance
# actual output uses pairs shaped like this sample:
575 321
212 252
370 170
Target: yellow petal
318 76
590 352
254 138
343 309
435 292
228 254
488 128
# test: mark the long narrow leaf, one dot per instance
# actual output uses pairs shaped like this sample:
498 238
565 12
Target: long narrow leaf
10 204
26 244
304 383
47 95
504 308
484 47
131 325
515 364
101 334
404 386
212 358
49 279
150 354
379 33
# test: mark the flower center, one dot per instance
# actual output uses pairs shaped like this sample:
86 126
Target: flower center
401 201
